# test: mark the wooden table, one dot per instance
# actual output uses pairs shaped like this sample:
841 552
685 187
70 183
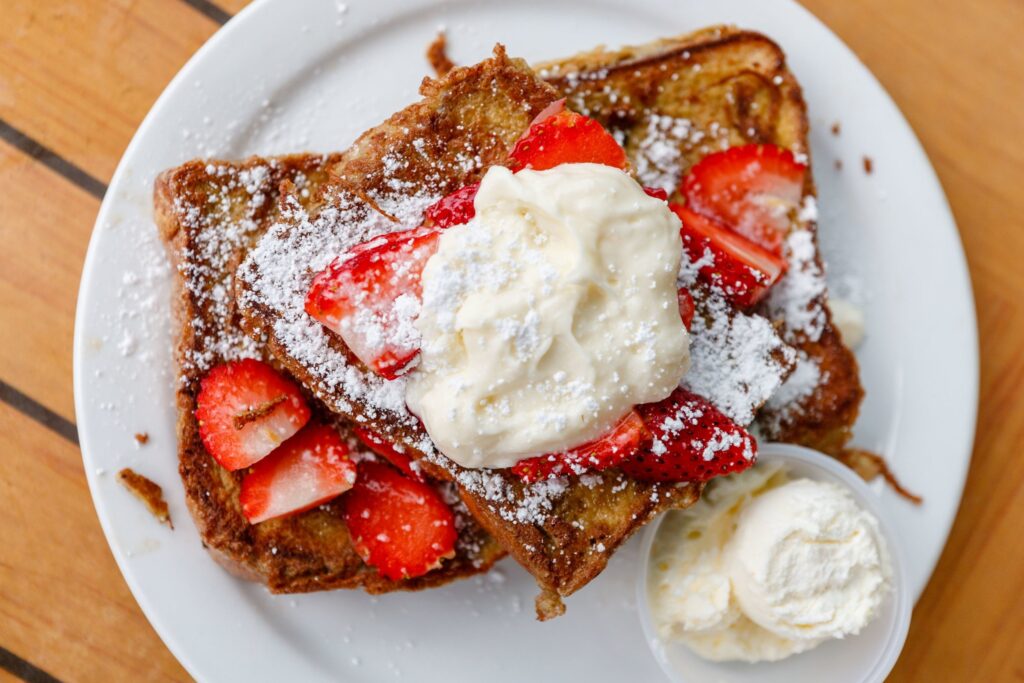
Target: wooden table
76 78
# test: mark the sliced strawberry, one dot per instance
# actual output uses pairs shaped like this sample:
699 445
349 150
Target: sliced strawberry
556 107
370 296
621 442
566 138
657 193
308 469
742 270
398 525
686 307
692 441
245 409
455 209
751 188
387 450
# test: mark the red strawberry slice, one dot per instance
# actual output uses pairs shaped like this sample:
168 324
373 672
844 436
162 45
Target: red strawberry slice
620 443
692 441
370 297
398 525
455 209
566 138
686 307
742 270
308 469
657 193
245 410
751 188
556 107
387 450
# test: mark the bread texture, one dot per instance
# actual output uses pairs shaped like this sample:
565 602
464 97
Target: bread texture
247 238
673 101
209 214
562 530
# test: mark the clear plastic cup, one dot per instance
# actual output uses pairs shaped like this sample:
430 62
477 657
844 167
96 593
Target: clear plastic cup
864 658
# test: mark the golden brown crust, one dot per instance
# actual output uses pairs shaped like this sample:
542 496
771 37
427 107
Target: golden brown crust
587 524
736 83
466 122
209 214
823 419
742 83
149 492
437 55
869 465
720 78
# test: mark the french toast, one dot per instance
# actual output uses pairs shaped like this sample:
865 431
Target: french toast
673 101
562 530
209 214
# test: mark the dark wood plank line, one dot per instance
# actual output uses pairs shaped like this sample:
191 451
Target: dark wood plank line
26 671
29 407
52 160
210 10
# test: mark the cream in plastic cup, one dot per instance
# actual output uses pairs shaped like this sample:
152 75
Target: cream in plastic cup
867 657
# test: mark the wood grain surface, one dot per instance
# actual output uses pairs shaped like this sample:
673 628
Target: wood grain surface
76 79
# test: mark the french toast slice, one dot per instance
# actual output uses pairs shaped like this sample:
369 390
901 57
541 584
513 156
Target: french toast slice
562 530
675 100
209 214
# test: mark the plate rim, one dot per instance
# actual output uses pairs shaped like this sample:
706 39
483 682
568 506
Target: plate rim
163 630
111 200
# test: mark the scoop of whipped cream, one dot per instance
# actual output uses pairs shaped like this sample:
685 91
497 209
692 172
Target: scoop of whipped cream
548 316
807 562
764 567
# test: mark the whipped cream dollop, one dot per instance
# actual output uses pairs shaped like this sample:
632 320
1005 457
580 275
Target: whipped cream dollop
764 567
548 316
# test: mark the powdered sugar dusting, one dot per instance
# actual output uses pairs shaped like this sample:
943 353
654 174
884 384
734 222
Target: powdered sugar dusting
799 385
215 235
690 415
797 298
798 302
469 539
660 148
737 360
787 401
532 506
659 152
278 273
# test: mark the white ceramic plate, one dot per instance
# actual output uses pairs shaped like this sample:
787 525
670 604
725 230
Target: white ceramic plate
287 75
